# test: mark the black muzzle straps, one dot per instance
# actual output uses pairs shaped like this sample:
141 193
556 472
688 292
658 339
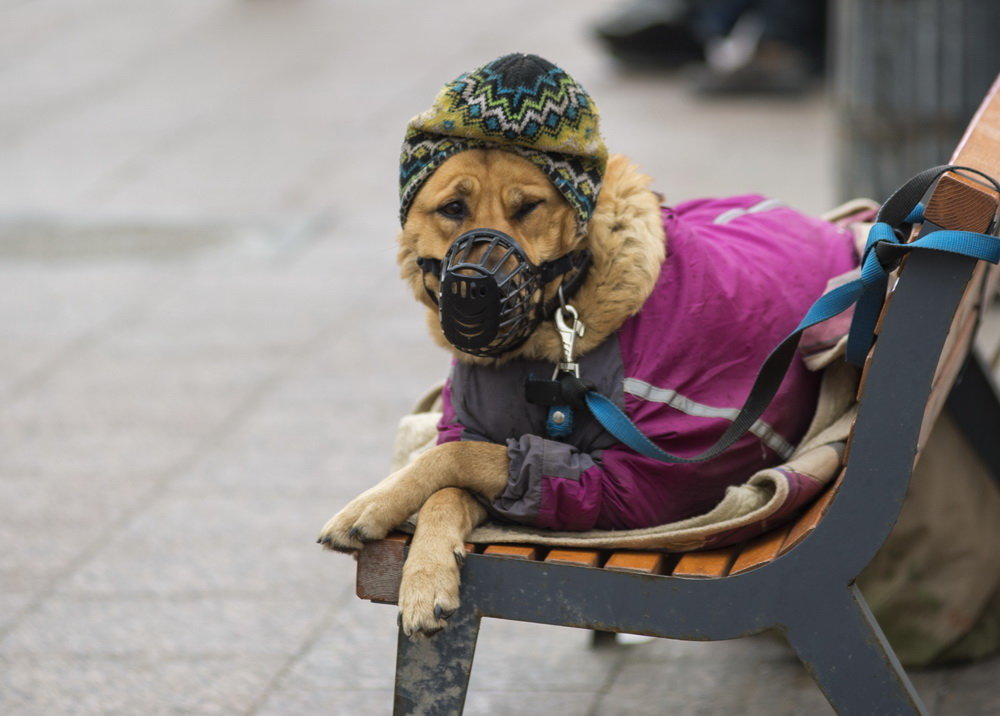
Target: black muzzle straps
490 295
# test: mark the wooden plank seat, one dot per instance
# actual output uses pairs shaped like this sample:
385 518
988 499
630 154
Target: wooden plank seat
374 565
798 578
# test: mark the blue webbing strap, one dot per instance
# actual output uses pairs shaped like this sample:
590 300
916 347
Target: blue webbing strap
875 275
883 251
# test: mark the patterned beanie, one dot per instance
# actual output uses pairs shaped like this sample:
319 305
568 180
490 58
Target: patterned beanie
521 104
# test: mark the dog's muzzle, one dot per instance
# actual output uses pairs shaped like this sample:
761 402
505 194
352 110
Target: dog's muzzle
490 296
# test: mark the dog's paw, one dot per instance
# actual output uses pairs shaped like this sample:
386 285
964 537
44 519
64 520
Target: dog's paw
333 538
342 532
373 514
428 593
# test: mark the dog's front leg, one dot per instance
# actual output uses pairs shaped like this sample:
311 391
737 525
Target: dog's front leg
428 593
477 466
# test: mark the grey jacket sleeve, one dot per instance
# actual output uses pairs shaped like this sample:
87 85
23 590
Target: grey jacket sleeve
533 460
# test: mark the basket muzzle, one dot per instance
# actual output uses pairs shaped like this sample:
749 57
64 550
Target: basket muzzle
490 295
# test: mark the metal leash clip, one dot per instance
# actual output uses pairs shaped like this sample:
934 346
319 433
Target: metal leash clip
568 333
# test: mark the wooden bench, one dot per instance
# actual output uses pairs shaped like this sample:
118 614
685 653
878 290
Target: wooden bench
799 578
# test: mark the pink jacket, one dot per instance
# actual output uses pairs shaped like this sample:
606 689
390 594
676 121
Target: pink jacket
739 275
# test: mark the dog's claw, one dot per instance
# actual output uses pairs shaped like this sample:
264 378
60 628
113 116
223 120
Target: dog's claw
359 535
329 544
460 557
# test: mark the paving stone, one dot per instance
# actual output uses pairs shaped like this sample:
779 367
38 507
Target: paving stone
341 702
505 663
49 521
930 685
356 650
970 690
50 312
186 70
288 461
121 451
185 545
192 626
781 686
761 675
45 39
488 703
174 401
115 408
132 685
485 703
537 703
12 603
707 678
318 433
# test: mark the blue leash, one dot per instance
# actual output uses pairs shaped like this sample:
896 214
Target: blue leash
884 250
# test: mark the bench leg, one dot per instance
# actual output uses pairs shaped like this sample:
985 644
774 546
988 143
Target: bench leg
602 639
432 675
843 647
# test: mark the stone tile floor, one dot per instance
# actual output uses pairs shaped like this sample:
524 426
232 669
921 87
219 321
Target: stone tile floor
205 349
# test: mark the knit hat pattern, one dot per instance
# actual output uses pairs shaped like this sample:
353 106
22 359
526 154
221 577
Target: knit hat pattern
518 103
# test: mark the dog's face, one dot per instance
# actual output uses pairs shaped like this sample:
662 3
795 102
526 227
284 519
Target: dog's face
484 188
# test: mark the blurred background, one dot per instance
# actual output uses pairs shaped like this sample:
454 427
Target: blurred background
205 347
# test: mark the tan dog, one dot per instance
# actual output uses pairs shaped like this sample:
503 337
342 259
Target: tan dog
498 189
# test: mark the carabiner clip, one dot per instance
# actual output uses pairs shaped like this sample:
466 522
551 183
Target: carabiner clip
568 333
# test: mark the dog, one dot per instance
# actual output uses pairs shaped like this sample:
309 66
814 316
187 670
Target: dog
670 318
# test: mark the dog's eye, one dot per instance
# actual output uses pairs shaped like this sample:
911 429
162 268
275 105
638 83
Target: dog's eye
526 208
453 209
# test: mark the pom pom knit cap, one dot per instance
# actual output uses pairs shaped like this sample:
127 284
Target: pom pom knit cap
518 103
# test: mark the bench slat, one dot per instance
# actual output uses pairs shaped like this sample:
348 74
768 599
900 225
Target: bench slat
957 203
761 551
579 557
952 360
808 521
643 562
711 563
379 566
961 204
513 551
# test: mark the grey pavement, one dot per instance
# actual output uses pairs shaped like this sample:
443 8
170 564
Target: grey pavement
205 349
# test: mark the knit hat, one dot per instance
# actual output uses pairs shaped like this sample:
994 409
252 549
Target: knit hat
521 104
